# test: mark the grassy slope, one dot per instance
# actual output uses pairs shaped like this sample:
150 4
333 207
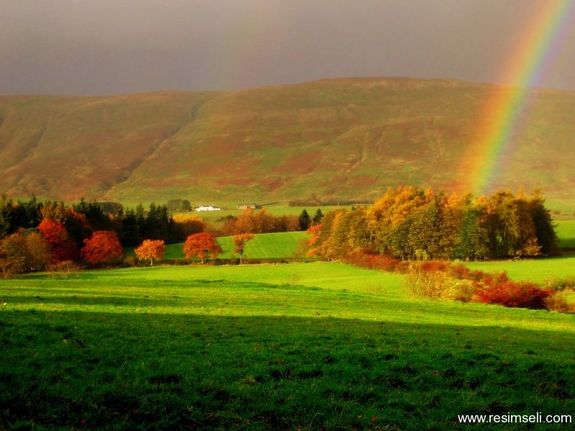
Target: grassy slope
262 246
305 346
336 138
537 271
72 147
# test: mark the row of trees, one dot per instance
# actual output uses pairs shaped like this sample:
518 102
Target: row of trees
132 225
411 223
38 235
197 246
263 222
50 245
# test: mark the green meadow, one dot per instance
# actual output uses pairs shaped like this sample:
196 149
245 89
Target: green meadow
535 270
566 232
317 345
262 246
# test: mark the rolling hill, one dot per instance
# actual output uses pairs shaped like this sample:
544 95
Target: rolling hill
335 139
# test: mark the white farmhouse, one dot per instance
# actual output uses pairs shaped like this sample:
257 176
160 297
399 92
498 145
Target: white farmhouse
207 208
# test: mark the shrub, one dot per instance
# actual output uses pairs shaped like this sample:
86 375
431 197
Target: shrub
460 272
130 260
427 284
434 265
382 262
11 265
557 301
63 268
514 294
559 284
459 290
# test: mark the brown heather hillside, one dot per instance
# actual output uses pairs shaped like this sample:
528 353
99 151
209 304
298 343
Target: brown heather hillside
338 138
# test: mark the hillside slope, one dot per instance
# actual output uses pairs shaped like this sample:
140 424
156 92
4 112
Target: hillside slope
338 138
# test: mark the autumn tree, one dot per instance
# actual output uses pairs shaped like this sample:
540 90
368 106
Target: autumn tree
151 250
23 251
62 247
200 245
312 242
410 223
37 251
13 255
391 210
240 242
102 247
259 222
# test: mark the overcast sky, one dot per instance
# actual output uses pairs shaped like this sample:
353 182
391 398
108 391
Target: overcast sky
121 46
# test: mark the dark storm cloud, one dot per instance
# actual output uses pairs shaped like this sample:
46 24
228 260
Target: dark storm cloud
118 46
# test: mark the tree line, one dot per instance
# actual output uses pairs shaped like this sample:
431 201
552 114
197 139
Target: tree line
132 225
250 221
412 223
37 235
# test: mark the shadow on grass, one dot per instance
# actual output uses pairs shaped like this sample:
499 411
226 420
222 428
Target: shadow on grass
130 371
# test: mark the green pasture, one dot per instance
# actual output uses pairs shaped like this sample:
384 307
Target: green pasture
535 270
295 346
566 232
262 246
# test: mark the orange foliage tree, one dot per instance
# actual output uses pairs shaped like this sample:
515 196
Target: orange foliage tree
102 247
151 249
200 245
62 247
259 222
240 242
314 232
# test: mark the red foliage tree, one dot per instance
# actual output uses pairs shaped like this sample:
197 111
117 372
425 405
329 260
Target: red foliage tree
240 242
151 249
61 246
102 247
200 245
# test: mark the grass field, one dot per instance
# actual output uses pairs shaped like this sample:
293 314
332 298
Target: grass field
262 246
566 233
537 271
294 346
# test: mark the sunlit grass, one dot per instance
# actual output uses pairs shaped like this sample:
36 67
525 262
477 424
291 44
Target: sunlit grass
535 270
268 347
262 246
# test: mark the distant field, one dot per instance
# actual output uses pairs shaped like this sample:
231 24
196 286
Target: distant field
215 218
262 246
294 346
566 233
536 270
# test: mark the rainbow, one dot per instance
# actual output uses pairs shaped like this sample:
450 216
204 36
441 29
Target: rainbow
504 109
